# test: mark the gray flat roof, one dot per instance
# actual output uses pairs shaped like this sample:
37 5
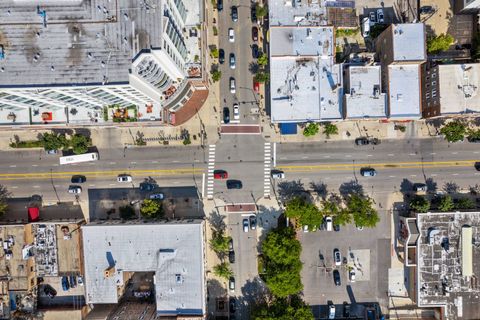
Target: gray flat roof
304 41
84 42
296 12
174 251
365 98
459 92
404 90
409 42
439 271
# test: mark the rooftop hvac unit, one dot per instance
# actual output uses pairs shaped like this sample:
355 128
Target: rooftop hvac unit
109 272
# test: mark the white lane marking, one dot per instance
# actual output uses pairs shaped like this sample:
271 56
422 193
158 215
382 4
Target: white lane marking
305 157
412 154
14 187
454 152
111 184
274 154
326 156
369 155
112 162
432 153
91 185
348 156
454 174
56 165
36 187
476 151
391 176
34 165
413 175
13 166
434 174
390 154
175 161
154 161
176 182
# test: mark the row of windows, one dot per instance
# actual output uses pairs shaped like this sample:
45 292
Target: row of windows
176 39
181 9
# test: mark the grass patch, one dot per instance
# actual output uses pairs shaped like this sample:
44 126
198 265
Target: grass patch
27 144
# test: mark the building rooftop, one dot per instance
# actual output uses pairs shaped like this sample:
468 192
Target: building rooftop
404 90
296 12
174 251
409 42
448 265
459 92
78 42
303 41
365 98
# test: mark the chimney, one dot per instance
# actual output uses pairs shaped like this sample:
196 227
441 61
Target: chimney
110 271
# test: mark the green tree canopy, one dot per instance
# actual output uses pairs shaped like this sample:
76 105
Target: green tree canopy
311 129
445 203
329 129
127 212
454 131
223 270
214 52
361 208
54 141
474 134
419 204
79 143
151 209
263 60
281 251
262 77
439 43
219 242
306 214
261 11
465 203
216 75
4 194
283 309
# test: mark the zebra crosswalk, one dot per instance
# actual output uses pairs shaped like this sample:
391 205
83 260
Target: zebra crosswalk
211 168
267 161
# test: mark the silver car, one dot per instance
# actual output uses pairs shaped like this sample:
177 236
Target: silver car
156 196
246 225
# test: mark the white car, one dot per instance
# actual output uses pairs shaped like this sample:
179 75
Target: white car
124 178
351 275
331 311
231 35
277 174
80 280
246 225
236 112
380 17
232 85
75 189
156 196
365 27
337 256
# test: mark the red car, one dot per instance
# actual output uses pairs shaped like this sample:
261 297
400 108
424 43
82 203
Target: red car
220 174
256 86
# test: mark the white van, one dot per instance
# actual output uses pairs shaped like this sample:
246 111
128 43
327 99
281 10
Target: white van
365 27
329 223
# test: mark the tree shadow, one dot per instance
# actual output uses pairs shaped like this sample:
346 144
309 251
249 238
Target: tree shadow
254 292
320 189
290 189
451 187
65 132
217 221
350 187
406 186
268 218
254 67
431 185
150 179
216 291
84 132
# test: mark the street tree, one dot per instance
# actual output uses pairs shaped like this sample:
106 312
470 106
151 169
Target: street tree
219 242
80 143
223 270
151 209
439 43
261 10
454 131
216 75
311 129
262 77
54 141
474 134
445 203
362 211
283 309
331 208
4 194
263 60
281 252
329 129
465 203
214 52
419 204
306 214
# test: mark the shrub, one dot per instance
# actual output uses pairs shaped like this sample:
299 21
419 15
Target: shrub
311 129
439 43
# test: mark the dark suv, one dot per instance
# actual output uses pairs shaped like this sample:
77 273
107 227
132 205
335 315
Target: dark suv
221 56
226 115
234 184
78 179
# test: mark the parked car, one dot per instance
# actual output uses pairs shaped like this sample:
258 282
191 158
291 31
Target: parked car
346 310
253 13
78 179
336 227
362 141
75 189
426 10
336 278
246 225
220 174
368 172
231 35
234 13
145 186
253 222
255 53
231 256
234 184
277 174
351 275
373 18
52 152
477 166
157 196
255 34
72 280
232 304
80 280
232 61
365 27
359 228
417 187
380 17
124 178
226 115
230 245
231 283
473 139
219 5
328 223
331 311
305 228
232 85
49 291
236 112
256 86
337 256
65 285
221 56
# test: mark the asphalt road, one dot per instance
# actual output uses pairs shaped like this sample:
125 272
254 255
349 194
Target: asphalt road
244 95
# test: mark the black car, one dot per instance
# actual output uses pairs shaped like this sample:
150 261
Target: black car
78 179
336 278
253 222
147 186
255 34
255 53
473 139
72 280
232 303
49 291
221 56
234 13
234 184
362 141
230 245
219 5
477 166
346 310
231 256
226 115
336 227
253 14
426 10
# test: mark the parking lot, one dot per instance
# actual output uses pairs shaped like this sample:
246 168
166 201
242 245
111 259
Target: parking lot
367 251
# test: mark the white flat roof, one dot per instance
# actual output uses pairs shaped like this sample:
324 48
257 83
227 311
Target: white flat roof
459 92
304 41
404 90
296 12
365 99
409 42
174 251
